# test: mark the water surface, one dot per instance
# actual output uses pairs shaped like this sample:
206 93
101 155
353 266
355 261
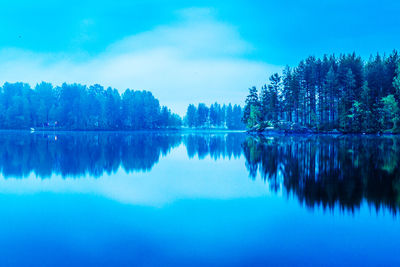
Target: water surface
171 199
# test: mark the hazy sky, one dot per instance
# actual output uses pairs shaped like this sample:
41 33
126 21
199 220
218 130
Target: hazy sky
184 51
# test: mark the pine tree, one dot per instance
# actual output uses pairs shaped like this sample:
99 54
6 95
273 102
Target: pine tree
396 82
265 104
287 92
252 107
191 116
237 115
229 117
202 115
331 87
390 113
346 101
366 108
274 90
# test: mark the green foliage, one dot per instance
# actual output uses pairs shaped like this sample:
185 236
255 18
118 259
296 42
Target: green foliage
255 114
357 117
330 94
77 107
396 81
251 100
390 112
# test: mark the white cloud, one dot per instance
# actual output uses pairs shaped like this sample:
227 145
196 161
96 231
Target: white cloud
196 60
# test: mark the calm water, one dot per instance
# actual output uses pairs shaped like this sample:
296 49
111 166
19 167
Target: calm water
156 199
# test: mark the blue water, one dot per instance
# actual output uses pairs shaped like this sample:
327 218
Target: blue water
154 199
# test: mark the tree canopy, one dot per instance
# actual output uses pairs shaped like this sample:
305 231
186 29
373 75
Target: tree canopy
79 107
342 93
214 116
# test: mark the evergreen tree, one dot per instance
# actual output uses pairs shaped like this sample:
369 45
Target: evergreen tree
252 107
191 115
202 115
77 107
346 101
274 99
222 116
396 82
230 121
343 93
288 94
215 117
331 87
265 104
237 116
391 116
208 117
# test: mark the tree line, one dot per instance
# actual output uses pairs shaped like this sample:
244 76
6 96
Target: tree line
342 93
79 107
214 116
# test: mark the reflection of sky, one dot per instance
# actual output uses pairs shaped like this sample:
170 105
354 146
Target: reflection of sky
174 177
88 230
184 212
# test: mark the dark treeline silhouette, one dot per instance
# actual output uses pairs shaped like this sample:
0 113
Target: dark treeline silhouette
78 107
93 153
341 93
330 171
215 116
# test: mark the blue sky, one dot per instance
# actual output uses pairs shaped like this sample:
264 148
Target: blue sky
184 51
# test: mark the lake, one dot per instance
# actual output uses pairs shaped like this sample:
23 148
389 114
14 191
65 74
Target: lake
198 199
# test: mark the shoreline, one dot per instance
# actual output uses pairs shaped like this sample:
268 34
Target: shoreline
125 131
199 131
315 133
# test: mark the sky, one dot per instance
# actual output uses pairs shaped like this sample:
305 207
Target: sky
184 51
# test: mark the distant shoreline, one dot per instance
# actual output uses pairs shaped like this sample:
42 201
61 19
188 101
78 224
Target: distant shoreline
126 131
200 131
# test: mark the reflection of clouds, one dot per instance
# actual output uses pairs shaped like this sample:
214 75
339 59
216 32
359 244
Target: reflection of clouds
174 177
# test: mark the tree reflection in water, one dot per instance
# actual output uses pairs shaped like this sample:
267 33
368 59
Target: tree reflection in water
329 171
76 154
215 145
322 170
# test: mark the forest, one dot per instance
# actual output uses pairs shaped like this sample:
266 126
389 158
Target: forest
80 107
341 94
215 116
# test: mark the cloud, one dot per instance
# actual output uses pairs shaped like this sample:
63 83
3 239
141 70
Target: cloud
196 59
